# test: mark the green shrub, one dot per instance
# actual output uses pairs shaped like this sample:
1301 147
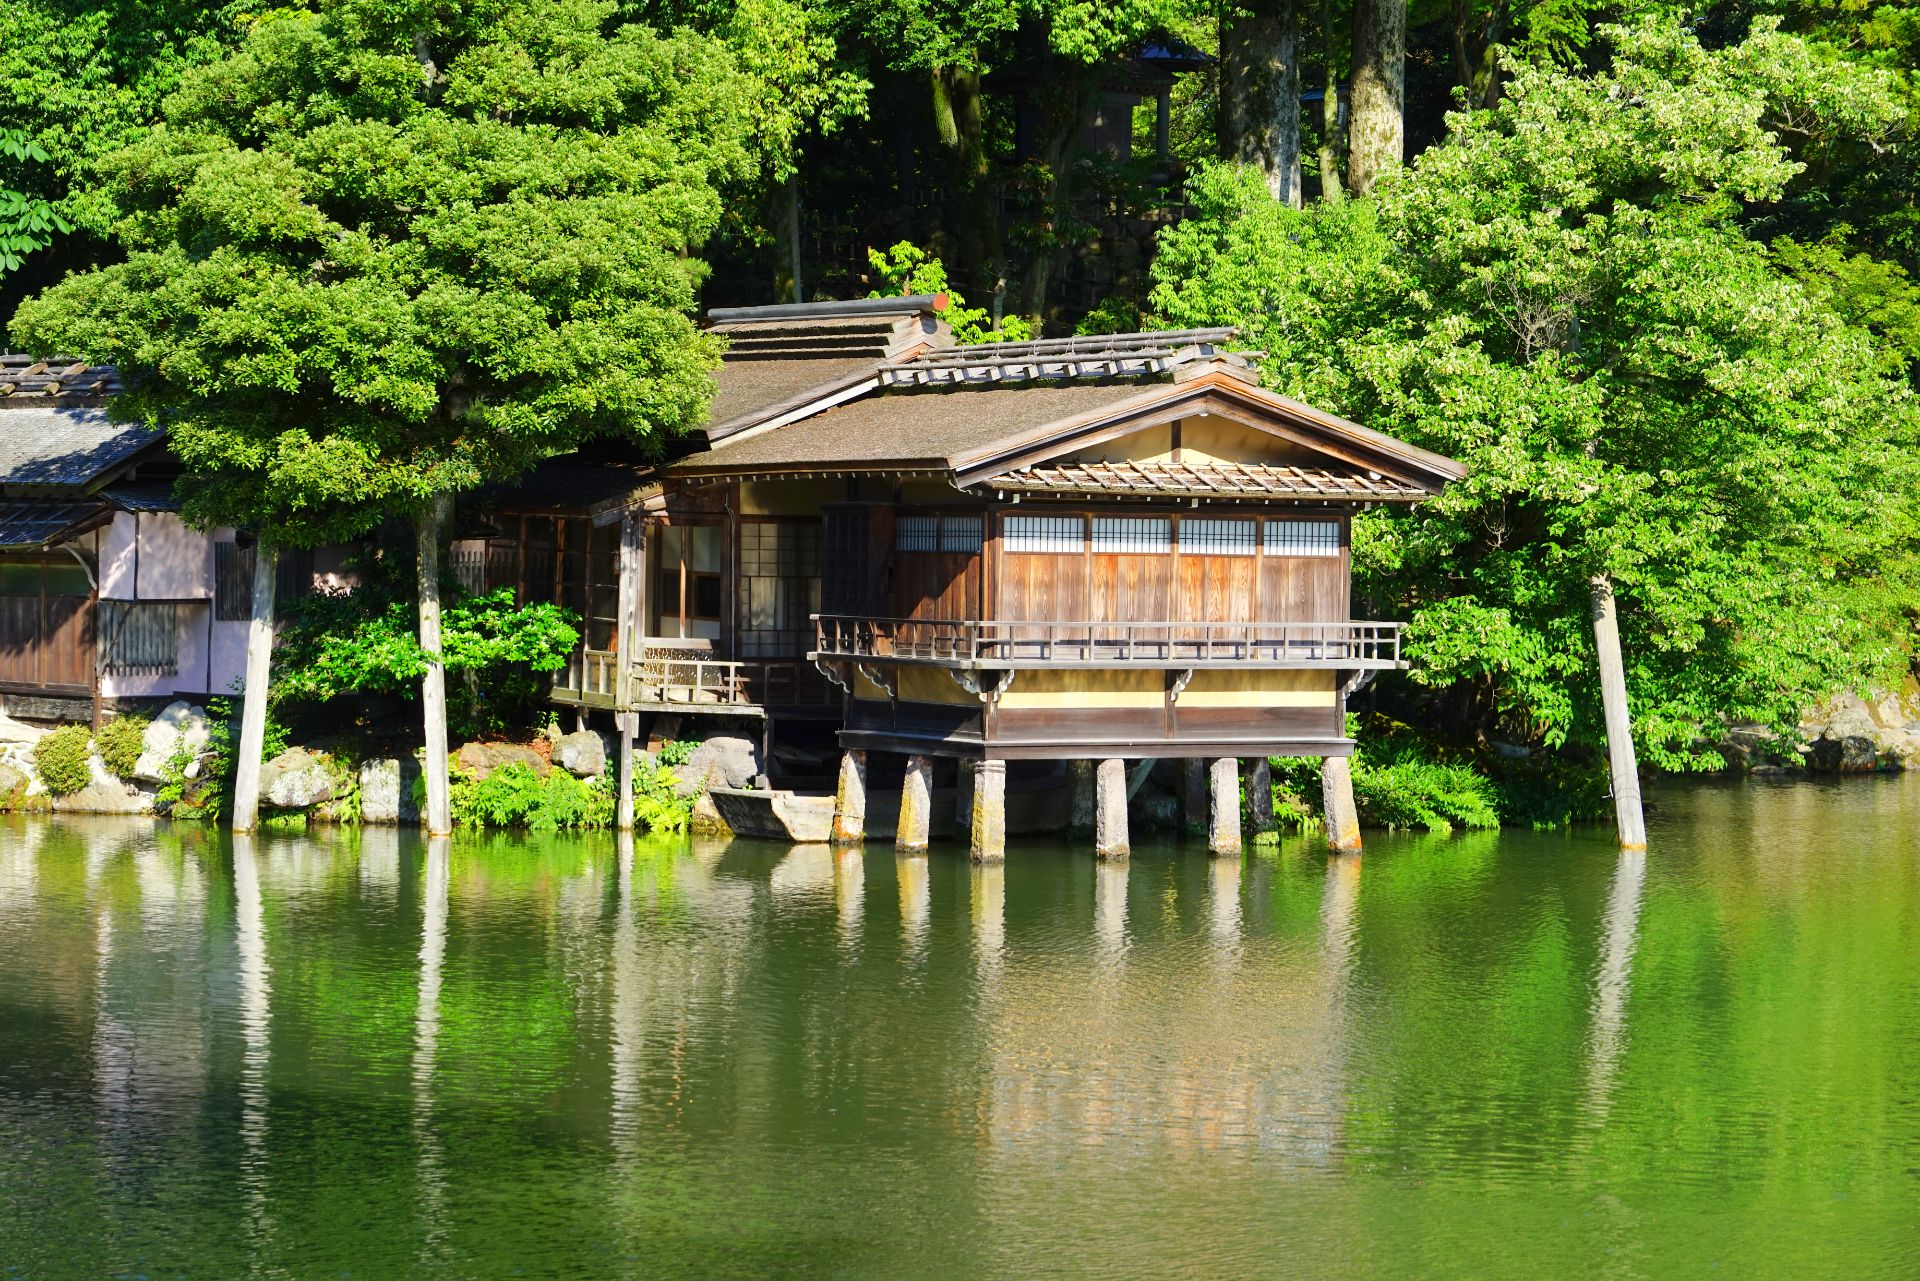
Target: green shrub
677 751
515 796
120 742
61 759
1409 793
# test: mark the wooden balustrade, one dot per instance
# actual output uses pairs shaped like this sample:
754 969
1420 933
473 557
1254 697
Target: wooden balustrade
666 678
1099 643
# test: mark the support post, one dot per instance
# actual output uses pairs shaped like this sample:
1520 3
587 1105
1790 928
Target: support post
1342 816
1622 765
1223 819
253 707
850 800
628 724
1080 800
1260 797
1193 796
433 685
916 805
989 835
1110 810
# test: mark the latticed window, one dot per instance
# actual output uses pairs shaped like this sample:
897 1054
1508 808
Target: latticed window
937 534
1133 535
1303 538
139 638
1204 536
779 587
1058 534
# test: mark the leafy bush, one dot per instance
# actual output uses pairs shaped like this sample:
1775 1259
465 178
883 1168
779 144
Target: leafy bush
61 759
515 796
120 742
676 752
215 796
1407 794
905 268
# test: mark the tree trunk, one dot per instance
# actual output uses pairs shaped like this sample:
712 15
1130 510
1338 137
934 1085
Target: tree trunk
961 127
253 708
433 685
1332 190
791 197
1260 92
1622 765
1377 135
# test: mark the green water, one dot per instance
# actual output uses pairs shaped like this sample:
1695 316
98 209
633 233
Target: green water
1485 1056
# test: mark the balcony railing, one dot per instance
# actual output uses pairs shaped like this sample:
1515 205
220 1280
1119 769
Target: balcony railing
692 680
978 643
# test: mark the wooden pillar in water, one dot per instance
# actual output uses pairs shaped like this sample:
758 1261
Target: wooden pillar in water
988 843
1110 810
850 800
1260 797
1342 816
628 724
916 806
1223 817
1623 766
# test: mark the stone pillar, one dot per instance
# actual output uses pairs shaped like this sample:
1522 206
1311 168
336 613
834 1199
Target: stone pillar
1223 819
1193 796
989 841
1260 797
1110 810
1079 799
1342 818
850 800
916 806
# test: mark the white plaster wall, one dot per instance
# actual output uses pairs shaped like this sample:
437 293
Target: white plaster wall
229 655
173 562
116 558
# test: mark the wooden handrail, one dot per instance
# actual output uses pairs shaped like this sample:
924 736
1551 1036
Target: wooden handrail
1045 641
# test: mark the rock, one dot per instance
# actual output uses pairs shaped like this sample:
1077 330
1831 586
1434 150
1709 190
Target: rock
105 795
1512 751
386 790
725 760
581 753
13 785
1155 809
296 779
1747 745
477 760
12 731
1898 749
180 724
706 818
1846 754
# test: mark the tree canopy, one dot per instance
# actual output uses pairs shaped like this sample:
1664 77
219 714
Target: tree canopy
1563 295
387 250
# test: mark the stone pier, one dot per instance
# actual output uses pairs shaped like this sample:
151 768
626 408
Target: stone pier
989 812
916 806
1110 810
850 800
1260 798
1223 816
1342 817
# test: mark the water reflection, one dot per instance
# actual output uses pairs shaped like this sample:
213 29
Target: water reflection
1110 908
1619 937
988 883
916 905
849 896
256 993
1223 903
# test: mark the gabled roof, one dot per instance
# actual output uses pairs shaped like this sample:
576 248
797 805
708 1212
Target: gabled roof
54 430
982 433
790 357
1218 481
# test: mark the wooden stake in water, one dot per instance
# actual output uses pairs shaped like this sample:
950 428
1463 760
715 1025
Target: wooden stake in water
1628 818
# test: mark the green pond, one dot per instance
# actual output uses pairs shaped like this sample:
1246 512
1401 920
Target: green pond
1492 1055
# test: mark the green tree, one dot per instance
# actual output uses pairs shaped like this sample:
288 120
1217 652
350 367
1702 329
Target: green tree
1563 295
388 251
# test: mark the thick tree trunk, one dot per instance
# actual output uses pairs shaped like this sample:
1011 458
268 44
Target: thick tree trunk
1260 91
433 686
790 197
1376 136
253 708
1332 188
1628 819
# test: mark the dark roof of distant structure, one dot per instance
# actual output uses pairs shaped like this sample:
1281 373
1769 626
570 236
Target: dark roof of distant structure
784 358
54 429
35 522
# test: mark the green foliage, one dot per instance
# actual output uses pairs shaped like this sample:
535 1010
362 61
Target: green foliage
381 253
215 796
27 221
61 759
1563 296
1867 291
516 796
677 751
364 642
119 743
907 269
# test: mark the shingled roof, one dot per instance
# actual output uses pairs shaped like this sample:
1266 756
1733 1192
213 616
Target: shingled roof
1220 480
54 430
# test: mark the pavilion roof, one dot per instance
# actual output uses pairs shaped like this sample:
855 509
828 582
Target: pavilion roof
1213 481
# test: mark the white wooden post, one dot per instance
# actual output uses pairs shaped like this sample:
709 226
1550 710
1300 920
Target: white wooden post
253 708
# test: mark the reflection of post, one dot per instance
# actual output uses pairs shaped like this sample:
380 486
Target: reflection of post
1337 924
426 1042
1110 907
990 916
916 904
624 1037
850 894
1612 980
250 931
1224 875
